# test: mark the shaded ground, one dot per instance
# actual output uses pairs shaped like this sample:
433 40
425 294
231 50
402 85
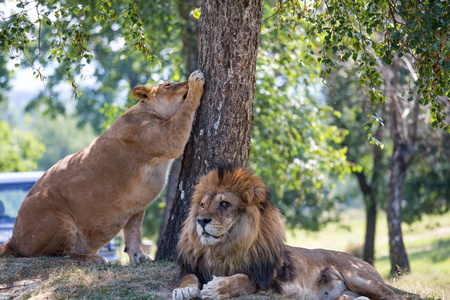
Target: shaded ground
61 278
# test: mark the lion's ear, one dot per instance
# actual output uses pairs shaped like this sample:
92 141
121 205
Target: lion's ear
256 195
142 93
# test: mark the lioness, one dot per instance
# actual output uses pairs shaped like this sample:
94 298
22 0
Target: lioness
232 243
84 200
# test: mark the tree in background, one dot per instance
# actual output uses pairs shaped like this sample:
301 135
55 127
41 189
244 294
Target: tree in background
374 35
369 163
19 150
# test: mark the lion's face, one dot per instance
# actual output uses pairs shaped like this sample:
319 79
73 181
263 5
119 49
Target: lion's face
216 215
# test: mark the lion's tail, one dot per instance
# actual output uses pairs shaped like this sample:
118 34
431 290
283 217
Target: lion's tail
7 249
407 295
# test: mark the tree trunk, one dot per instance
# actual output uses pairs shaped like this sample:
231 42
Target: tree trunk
402 154
371 222
397 252
229 38
189 38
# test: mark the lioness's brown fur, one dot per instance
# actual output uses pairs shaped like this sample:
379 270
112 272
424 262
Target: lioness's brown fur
84 200
232 243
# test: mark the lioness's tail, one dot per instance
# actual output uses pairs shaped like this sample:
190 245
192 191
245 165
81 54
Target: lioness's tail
407 295
6 249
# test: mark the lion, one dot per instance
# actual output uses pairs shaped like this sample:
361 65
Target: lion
232 243
85 199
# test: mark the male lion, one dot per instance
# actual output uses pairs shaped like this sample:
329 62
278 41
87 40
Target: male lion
236 233
84 200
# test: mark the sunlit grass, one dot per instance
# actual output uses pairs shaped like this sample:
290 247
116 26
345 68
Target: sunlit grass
427 243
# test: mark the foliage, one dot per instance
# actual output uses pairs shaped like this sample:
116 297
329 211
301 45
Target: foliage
294 149
5 74
371 33
427 183
71 30
107 35
19 150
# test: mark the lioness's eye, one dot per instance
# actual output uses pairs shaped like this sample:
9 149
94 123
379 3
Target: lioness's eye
202 205
224 204
167 84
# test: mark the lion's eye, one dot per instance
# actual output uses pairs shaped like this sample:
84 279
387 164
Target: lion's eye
167 84
224 204
202 205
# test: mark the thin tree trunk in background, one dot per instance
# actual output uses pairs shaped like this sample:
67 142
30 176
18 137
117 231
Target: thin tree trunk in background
372 201
221 133
189 38
371 224
402 154
397 251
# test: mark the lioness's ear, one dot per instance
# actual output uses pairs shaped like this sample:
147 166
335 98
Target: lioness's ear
142 93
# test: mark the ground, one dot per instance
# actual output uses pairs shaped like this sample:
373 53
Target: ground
427 243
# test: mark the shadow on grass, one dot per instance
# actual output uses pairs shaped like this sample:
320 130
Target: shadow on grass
439 251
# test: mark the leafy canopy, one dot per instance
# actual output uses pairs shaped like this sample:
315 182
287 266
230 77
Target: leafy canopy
371 33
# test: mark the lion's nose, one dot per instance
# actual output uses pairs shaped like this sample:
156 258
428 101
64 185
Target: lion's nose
203 221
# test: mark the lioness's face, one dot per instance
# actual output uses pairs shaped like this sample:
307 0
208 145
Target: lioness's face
217 213
169 92
165 94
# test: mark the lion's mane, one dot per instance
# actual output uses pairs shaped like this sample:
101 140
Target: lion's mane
257 247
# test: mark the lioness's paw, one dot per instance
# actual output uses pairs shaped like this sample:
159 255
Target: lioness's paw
186 293
140 258
216 288
196 78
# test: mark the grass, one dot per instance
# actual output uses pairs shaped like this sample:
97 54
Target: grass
427 243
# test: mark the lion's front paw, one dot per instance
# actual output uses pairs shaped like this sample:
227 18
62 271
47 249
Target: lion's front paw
217 288
196 79
186 293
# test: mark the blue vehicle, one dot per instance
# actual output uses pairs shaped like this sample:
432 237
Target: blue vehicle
14 187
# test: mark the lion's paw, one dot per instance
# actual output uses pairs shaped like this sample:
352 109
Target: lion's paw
186 293
216 288
361 298
196 78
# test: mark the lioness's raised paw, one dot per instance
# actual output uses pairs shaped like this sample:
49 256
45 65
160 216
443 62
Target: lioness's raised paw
186 293
217 288
196 78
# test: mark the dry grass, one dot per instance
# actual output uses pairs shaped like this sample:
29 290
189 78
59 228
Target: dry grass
62 278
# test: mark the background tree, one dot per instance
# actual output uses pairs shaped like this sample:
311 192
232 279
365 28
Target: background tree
369 163
19 150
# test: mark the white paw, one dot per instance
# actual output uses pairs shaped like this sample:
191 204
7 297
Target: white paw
186 293
197 77
361 298
211 289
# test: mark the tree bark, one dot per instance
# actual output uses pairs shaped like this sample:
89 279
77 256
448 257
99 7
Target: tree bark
221 133
397 251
